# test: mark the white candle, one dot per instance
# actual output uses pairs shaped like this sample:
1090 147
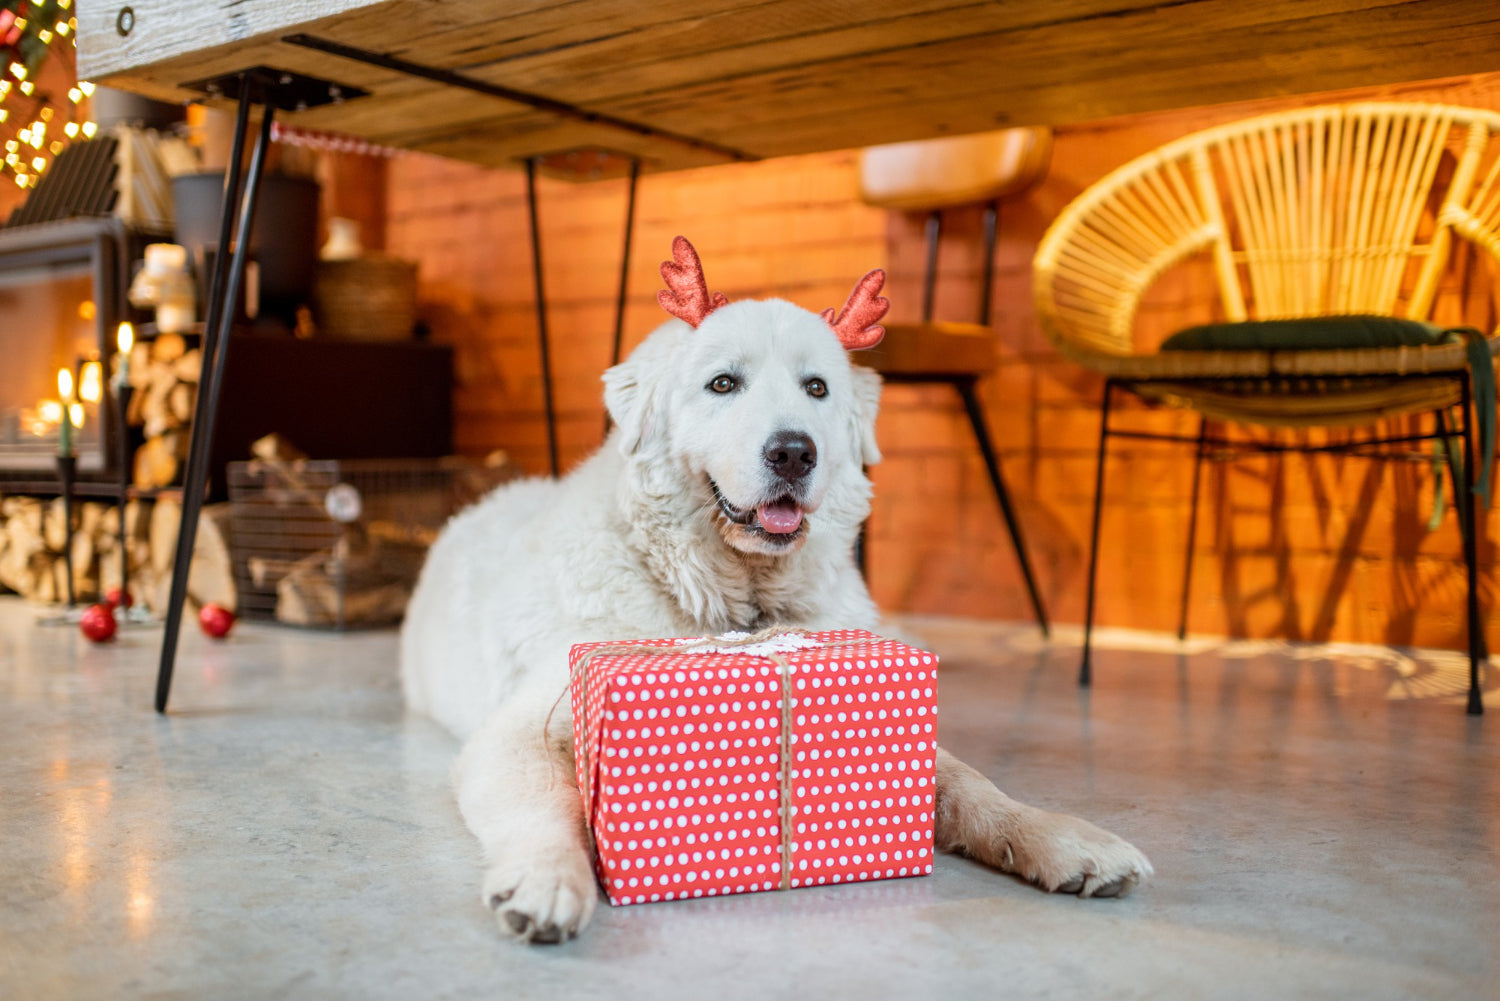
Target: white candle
124 341
65 429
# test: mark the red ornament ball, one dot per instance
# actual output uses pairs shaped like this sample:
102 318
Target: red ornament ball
98 623
215 620
118 598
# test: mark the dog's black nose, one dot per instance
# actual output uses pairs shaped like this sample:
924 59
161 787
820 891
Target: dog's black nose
791 455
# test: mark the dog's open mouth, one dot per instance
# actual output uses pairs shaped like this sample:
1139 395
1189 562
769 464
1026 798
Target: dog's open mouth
780 520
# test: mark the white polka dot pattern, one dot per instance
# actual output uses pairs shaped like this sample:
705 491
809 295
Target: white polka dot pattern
680 765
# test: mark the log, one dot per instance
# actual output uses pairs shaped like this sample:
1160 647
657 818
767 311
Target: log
211 578
211 570
166 516
156 410
167 348
23 523
189 368
156 463
44 581
32 540
315 593
55 525
180 403
140 366
15 568
135 409
96 519
137 520
274 448
360 582
85 557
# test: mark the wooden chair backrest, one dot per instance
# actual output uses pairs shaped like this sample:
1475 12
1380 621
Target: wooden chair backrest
957 170
1335 209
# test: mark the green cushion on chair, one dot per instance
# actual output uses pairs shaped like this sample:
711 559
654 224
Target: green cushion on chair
1330 333
1309 334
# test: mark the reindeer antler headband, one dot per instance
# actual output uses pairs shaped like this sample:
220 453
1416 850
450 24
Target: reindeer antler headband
686 297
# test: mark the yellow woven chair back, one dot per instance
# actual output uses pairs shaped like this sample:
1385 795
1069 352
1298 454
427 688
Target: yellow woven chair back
1327 210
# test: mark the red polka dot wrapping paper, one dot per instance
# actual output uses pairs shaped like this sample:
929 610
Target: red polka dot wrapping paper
679 763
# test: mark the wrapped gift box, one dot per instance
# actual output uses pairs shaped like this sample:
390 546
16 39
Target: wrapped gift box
680 748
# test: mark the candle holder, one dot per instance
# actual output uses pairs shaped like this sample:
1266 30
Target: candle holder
67 471
122 407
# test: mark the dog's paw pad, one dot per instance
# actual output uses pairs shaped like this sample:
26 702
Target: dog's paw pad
540 903
1068 855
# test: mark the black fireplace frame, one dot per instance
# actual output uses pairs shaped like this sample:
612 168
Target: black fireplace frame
107 247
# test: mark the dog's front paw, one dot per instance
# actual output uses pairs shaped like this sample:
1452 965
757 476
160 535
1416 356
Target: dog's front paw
541 900
1064 854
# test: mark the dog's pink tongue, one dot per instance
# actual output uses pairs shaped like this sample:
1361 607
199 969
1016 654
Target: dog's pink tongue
781 518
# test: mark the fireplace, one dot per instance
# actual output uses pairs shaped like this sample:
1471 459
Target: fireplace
62 297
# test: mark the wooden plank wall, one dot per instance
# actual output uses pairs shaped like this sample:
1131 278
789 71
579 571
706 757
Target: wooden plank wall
1295 548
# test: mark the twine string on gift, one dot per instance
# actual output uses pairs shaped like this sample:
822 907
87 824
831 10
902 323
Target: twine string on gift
783 663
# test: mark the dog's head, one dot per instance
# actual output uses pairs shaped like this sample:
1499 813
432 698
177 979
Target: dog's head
755 404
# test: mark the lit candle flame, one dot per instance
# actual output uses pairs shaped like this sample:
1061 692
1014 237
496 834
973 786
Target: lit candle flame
65 383
75 411
91 382
125 338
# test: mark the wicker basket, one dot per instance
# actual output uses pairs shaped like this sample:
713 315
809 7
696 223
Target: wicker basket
371 298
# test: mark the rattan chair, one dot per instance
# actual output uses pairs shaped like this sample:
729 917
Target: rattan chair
1330 211
932 176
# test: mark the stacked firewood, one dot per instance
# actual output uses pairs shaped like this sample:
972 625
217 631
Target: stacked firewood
164 376
34 538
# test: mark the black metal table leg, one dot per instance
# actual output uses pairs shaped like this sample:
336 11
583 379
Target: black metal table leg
1086 667
538 276
224 291
1192 538
272 89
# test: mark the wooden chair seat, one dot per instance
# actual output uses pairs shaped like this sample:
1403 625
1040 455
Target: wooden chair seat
934 350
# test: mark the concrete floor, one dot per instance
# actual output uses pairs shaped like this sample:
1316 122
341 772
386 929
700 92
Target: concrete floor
1323 823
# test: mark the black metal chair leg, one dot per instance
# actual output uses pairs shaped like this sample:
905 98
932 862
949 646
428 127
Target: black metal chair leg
630 197
620 294
1464 500
1192 539
541 315
1085 667
224 292
992 466
1463 511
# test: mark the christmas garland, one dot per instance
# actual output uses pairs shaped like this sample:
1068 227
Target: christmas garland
35 125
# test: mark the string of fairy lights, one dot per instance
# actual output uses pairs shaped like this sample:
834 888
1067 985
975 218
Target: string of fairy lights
35 124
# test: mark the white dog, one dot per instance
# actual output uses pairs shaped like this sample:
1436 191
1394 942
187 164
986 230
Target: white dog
728 497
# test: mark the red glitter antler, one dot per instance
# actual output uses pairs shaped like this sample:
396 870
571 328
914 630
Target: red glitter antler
686 295
857 325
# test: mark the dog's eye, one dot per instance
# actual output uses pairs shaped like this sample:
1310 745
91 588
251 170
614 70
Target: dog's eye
724 384
815 387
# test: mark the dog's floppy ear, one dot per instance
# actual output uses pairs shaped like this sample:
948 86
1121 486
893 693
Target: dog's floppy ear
631 387
629 404
866 406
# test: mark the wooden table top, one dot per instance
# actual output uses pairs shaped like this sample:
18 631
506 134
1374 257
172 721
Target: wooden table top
682 84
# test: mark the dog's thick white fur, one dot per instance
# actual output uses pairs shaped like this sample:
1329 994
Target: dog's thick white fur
728 496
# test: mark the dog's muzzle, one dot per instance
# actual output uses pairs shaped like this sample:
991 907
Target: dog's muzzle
780 520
